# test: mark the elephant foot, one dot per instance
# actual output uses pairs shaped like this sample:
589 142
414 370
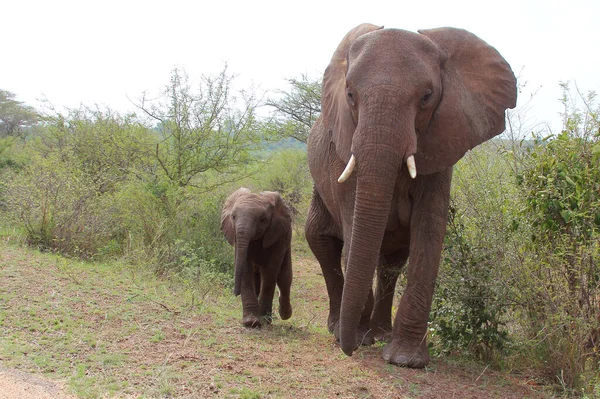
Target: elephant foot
405 355
285 310
251 321
364 335
383 334
267 318
333 322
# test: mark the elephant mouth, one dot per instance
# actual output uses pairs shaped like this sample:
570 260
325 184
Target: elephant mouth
410 164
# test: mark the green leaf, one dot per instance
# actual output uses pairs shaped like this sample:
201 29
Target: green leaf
566 215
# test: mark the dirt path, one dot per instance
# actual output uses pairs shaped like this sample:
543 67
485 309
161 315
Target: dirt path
18 385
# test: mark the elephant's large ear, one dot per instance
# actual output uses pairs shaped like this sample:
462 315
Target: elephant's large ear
336 113
226 222
478 86
281 222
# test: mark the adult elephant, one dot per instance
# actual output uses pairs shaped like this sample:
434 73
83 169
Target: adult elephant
393 103
259 226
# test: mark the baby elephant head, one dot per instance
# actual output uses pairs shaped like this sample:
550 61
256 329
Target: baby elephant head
249 217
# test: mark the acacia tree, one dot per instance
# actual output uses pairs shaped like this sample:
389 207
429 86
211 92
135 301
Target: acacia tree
15 117
296 110
203 129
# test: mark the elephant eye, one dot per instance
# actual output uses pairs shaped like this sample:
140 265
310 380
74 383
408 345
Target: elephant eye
233 217
425 99
263 218
350 96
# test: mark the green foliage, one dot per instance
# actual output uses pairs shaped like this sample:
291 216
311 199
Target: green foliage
104 185
469 309
559 283
16 118
470 305
297 109
203 130
192 240
53 202
104 145
522 252
13 154
65 196
287 173
92 189
562 187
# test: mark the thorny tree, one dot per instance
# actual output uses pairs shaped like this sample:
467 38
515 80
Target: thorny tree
15 117
297 110
203 130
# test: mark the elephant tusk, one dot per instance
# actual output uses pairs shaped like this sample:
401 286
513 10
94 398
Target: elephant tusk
348 171
412 168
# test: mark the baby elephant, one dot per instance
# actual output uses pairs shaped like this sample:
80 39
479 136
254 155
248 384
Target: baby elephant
259 226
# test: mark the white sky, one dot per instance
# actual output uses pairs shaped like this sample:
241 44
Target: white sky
105 52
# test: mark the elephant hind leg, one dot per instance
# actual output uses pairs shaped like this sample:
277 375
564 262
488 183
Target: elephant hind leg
284 282
387 275
257 283
328 250
265 299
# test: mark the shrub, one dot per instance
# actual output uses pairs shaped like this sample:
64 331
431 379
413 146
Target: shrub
193 233
287 173
471 300
58 207
560 281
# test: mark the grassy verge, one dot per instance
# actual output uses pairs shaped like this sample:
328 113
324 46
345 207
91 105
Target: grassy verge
108 330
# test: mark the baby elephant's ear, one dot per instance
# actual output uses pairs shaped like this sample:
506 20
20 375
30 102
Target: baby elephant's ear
226 223
281 222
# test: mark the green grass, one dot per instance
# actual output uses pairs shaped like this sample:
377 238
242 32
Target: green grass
110 330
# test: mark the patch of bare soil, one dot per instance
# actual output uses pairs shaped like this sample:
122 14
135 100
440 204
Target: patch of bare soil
15 384
157 347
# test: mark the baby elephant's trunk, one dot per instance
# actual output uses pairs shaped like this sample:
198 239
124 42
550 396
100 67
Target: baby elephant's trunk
241 255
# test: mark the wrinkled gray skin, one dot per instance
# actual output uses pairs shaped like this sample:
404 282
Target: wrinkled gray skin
259 226
388 95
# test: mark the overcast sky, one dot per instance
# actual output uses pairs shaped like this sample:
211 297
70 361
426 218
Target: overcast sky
108 52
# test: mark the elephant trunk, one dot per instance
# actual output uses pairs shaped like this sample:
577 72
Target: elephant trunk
241 259
380 151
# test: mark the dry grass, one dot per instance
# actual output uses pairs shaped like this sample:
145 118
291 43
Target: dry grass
111 332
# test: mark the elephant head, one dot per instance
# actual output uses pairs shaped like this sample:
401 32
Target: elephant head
248 217
399 102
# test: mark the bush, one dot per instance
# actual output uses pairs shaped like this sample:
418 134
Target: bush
471 301
58 207
193 233
560 280
287 173
522 253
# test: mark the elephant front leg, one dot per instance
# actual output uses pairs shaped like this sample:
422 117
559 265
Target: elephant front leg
428 227
327 248
250 305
